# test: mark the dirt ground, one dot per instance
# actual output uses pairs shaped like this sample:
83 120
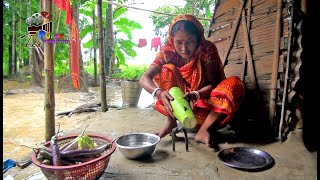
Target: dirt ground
23 115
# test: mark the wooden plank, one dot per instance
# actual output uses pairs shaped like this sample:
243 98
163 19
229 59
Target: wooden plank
264 6
262 65
225 6
257 35
225 33
231 40
232 70
228 16
263 85
221 25
262 49
263 20
261 2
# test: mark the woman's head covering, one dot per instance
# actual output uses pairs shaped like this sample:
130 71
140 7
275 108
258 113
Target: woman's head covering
186 17
193 72
169 47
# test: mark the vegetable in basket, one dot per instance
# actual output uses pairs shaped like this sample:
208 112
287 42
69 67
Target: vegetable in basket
80 149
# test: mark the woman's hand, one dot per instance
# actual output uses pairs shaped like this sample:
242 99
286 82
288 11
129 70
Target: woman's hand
165 97
190 96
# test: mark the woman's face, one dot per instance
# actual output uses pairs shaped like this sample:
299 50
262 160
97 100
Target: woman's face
185 44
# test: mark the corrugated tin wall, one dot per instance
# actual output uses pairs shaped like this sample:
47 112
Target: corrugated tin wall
257 45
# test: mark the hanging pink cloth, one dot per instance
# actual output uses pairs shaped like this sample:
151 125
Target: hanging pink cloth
155 43
142 43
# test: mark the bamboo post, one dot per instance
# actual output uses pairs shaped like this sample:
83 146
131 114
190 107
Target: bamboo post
275 64
94 47
101 60
286 73
248 17
49 105
248 50
233 34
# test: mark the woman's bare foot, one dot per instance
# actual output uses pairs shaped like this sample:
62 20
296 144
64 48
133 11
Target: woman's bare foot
203 137
166 129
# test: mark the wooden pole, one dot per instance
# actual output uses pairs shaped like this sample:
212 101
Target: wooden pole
109 46
95 82
285 88
49 105
248 50
275 64
233 35
244 54
20 47
101 59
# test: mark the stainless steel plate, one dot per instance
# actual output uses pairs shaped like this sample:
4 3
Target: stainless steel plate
245 158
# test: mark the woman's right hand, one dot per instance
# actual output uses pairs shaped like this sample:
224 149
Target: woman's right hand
165 97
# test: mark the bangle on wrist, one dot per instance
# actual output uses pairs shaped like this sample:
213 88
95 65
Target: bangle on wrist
197 94
154 92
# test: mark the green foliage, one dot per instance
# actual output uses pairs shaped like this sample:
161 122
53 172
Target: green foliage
131 72
8 8
201 9
89 68
123 48
61 57
160 21
60 69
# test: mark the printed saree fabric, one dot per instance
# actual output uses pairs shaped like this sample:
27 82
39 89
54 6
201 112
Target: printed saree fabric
227 94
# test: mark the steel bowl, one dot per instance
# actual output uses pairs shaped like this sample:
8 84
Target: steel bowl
137 145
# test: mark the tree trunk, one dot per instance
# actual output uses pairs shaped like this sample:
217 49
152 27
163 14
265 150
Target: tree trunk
38 65
37 57
20 46
30 58
95 79
10 57
101 58
13 45
192 7
49 81
109 40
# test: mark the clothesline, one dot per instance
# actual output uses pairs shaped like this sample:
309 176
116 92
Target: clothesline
122 5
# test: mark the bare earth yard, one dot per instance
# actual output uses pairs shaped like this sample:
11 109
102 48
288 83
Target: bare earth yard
23 124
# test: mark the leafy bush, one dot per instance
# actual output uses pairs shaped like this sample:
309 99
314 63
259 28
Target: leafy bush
89 68
131 72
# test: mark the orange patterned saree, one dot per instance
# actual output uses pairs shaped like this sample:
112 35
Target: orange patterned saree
224 98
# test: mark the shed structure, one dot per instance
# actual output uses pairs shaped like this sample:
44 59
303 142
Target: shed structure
260 41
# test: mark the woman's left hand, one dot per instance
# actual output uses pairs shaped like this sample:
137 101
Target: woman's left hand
190 96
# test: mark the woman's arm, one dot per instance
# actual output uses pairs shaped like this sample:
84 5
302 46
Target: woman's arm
213 73
214 76
146 79
147 83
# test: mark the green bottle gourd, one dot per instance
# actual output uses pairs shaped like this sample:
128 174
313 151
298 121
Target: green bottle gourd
182 109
